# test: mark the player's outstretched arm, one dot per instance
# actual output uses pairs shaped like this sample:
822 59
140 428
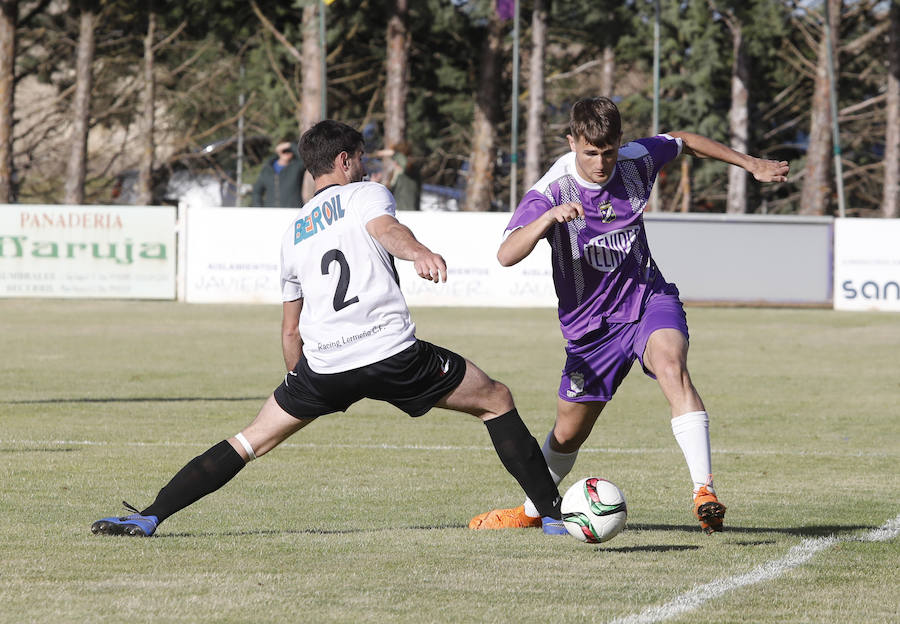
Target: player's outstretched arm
291 342
401 243
762 169
523 240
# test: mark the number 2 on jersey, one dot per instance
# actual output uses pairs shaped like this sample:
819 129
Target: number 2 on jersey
340 294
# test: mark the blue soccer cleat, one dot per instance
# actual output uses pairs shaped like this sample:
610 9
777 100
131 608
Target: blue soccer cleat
134 525
552 526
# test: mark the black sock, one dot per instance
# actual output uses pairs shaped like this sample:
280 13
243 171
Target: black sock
522 458
202 475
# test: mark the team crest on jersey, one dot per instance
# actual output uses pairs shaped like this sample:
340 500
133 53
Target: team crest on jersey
607 212
607 251
318 219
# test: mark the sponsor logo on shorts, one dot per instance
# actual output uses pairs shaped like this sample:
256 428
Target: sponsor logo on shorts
576 385
445 366
607 251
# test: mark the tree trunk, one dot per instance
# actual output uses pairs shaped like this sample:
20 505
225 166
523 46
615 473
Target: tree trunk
81 108
311 99
607 74
479 191
311 94
397 85
738 119
817 175
9 15
891 204
686 198
148 121
534 133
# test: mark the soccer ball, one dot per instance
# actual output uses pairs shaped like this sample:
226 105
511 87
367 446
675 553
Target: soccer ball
593 510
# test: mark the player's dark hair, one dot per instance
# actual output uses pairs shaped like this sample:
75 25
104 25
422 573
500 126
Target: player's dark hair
596 120
322 143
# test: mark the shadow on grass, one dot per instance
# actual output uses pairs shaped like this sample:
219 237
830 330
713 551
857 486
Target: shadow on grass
810 531
264 532
653 548
130 400
805 531
38 450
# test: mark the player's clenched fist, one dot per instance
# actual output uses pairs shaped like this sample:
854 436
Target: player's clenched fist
431 266
567 212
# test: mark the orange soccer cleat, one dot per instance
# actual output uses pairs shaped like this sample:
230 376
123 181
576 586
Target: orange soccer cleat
708 510
504 519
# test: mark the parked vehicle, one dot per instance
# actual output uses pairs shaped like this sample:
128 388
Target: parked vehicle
206 177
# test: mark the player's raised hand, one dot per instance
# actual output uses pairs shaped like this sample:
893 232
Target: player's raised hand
430 266
770 170
567 212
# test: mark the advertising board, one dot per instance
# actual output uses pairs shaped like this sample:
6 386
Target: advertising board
233 255
867 264
468 241
114 252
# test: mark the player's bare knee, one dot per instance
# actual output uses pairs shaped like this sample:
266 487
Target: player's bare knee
670 371
502 396
566 439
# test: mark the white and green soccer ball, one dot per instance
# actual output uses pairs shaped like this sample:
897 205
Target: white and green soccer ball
593 510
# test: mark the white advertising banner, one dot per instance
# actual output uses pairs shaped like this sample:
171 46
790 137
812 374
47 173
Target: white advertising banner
233 255
468 241
119 252
867 264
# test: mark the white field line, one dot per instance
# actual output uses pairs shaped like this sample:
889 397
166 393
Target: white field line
798 555
454 448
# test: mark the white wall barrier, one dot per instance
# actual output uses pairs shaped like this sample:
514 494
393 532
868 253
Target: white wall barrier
776 259
468 242
114 252
867 264
231 255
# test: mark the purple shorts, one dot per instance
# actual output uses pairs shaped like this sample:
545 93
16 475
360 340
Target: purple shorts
598 362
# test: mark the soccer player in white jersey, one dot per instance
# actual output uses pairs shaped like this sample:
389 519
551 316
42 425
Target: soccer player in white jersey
347 335
614 304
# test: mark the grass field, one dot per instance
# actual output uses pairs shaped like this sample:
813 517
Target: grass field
361 517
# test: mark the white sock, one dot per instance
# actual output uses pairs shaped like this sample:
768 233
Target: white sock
560 464
692 433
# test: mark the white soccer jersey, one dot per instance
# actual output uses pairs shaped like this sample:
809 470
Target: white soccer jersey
354 313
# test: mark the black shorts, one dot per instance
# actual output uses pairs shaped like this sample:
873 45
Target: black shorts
414 380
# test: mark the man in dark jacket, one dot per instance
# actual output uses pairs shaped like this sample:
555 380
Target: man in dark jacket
280 181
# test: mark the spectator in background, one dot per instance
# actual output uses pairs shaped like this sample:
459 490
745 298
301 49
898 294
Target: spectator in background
280 181
401 177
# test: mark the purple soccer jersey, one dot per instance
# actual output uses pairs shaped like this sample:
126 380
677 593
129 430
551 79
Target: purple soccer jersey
602 268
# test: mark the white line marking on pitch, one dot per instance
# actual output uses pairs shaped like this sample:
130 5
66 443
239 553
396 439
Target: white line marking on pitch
798 555
445 447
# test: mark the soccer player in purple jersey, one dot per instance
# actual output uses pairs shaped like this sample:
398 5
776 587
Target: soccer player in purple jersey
614 304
